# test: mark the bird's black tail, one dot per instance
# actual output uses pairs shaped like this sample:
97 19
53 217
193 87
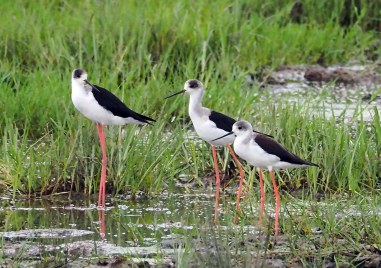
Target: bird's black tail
144 119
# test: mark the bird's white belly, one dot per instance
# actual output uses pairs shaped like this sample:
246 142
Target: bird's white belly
255 155
89 107
208 131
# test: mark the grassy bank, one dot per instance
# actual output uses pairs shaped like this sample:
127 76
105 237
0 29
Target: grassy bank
67 157
144 51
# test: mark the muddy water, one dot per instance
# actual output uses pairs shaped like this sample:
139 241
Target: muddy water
142 222
152 231
143 228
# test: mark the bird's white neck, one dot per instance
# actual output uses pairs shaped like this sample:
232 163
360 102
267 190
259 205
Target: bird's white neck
79 87
195 101
244 137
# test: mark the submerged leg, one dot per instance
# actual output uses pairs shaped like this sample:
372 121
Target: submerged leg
263 197
242 175
277 204
218 182
102 223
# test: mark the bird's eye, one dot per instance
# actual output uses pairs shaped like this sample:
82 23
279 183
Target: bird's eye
193 84
77 73
239 128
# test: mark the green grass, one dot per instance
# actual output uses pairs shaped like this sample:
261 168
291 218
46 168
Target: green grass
143 52
64 159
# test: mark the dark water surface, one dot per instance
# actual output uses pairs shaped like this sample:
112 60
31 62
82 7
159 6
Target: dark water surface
142 222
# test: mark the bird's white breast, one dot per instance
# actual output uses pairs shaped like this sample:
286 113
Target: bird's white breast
253 153
207 130
84 101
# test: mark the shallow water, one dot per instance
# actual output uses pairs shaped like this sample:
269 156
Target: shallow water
126 222
142 222
149 229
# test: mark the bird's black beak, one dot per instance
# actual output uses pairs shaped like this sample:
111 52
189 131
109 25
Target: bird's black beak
177 93
87 82
263 134
92 86
230 133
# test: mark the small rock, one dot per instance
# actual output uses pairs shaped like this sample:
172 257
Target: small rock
316 75
172 243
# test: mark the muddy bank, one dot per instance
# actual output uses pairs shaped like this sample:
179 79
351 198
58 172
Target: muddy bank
36 247
360 75
85 254
207 251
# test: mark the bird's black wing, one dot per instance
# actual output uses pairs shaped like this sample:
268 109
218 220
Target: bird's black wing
111 103
222 121
272 147
226 122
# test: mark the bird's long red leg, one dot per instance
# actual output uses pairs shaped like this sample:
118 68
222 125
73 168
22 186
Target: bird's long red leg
277 204
104 166
263 197
218 182
102 183
242 175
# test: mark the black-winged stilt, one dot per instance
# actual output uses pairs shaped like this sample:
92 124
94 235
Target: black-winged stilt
209 125
104 108
264 152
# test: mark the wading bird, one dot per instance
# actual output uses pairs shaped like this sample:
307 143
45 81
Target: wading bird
264 152
210 125
104 108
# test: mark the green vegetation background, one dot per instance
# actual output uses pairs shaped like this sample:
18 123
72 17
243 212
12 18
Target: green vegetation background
144 50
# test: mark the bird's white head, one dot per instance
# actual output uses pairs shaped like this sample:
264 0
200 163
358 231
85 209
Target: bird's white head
79 76
242 128
193 86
